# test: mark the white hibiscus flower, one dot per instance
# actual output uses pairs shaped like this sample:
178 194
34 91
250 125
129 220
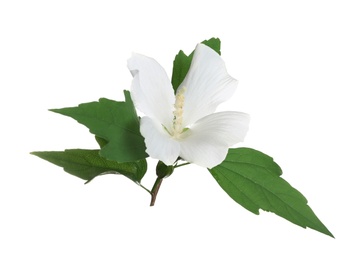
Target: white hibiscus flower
185 125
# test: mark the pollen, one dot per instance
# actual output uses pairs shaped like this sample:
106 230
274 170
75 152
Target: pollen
178 113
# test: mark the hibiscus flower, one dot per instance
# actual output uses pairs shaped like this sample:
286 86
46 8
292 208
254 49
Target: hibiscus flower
185 125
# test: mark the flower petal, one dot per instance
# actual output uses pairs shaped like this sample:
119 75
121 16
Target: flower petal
207 84
151 89
207 142
159 144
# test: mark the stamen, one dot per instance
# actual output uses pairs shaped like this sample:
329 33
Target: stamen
178 113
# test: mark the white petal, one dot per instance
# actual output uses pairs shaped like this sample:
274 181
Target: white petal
159 143
207 84
208 141
151 89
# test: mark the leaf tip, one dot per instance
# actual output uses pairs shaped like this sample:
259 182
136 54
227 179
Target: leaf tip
327 232
127 95
213 43
35 153
56 110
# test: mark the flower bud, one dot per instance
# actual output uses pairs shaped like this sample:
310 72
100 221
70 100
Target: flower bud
163 170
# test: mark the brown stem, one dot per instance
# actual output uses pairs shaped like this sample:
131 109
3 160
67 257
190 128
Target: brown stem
155 189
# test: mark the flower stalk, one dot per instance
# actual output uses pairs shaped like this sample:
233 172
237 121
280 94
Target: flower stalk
155 190
162 171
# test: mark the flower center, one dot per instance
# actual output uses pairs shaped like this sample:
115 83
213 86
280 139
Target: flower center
177 127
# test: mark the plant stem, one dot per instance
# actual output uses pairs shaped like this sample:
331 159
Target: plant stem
155 189
182 164
162 171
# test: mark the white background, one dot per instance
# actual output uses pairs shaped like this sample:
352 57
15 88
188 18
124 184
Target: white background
299 67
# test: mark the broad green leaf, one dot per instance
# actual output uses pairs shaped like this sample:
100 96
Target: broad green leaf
88 164
182 62
253 180
115 122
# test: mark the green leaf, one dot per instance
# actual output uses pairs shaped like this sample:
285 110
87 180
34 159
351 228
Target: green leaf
115 122
253 180
88 164
182 62
101 142
214 43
